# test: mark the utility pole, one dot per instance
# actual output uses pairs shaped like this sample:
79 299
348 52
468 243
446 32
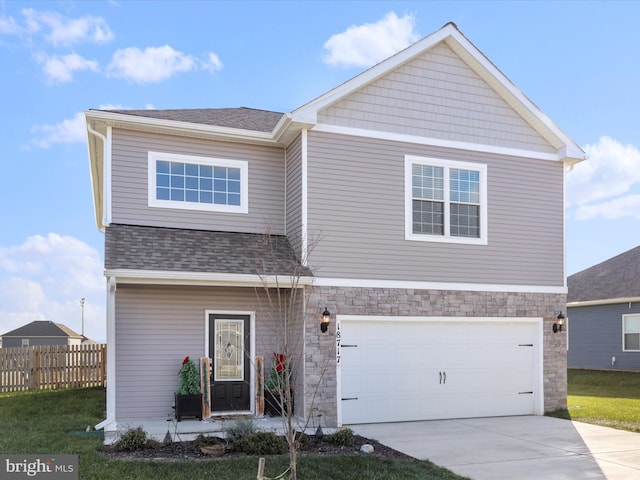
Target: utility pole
82 305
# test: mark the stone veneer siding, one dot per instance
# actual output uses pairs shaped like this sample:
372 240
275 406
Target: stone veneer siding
320 349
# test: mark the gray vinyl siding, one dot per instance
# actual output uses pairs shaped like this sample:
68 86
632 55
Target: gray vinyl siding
595 335
157 326
294 195
436 95
129 184
356 202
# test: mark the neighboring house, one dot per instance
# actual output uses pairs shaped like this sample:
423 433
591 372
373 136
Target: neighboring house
604 314
436 189
42 332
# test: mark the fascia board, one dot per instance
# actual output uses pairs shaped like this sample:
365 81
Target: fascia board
608 301
96 169
164 277
185 128
514 96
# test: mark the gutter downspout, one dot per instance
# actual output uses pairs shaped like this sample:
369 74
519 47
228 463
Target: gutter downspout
111 360
106 174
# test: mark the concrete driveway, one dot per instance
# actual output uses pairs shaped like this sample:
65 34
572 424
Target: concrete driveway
523 448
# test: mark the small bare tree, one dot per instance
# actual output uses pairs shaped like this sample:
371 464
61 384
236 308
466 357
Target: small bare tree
285 280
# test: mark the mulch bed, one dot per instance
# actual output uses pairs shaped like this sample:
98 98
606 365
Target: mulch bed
189 451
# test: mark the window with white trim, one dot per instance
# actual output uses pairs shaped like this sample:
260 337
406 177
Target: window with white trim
631 333
445 200
198 183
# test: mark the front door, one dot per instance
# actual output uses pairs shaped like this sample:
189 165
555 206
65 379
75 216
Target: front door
229 337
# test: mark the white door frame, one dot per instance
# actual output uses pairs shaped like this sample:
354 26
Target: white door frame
537 322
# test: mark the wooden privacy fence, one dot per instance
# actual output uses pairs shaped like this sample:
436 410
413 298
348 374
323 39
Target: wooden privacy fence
52 367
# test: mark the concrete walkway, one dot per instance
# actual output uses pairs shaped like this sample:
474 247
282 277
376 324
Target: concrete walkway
522 448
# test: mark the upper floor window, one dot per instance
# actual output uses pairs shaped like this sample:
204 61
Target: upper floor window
631 333
445 201
197 183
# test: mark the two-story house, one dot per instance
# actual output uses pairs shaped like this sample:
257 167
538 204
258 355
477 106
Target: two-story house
431 191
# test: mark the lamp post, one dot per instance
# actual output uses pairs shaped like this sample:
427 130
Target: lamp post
82 306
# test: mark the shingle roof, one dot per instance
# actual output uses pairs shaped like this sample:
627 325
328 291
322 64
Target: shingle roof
42 328
618 277
171 249
242 118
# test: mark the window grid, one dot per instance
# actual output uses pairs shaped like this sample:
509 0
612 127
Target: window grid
189 182
457 214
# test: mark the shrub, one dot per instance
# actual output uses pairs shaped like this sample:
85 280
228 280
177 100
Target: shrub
239 428
341 438
261 443
202 440
189 378
303 441
132 439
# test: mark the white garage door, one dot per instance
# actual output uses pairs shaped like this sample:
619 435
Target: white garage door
401 370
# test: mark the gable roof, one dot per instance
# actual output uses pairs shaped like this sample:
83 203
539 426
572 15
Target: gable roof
199 254
43 328
568 151
612 281
279 129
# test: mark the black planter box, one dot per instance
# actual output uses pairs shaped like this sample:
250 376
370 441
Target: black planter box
188 406
272 404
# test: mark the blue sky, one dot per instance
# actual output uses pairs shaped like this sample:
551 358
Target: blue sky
578 61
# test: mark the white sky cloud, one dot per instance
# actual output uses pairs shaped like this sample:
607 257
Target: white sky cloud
70 130
627 206
59 30
60 69
213 64
605 181
45 277
153 64
9 26
368 44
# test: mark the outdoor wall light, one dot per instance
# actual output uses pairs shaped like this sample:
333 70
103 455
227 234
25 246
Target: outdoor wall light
326 319
559 323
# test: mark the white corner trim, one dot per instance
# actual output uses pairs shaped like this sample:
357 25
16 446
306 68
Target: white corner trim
437 142
304 192
165 277
408 284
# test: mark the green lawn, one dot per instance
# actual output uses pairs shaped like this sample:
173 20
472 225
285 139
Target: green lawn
40 422
610 399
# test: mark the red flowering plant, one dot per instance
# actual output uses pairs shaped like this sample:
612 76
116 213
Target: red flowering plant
189 378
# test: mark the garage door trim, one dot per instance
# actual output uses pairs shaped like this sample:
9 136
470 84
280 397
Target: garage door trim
537 323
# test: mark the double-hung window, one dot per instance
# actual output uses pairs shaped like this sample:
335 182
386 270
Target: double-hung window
445 201
631 333
197 183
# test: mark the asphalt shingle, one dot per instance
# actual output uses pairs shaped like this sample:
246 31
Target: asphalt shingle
172 249
241 118
618 277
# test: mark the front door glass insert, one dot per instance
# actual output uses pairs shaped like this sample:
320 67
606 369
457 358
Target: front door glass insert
229 354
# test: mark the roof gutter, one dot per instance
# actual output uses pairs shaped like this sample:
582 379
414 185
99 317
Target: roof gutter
165 277
185 128
608 301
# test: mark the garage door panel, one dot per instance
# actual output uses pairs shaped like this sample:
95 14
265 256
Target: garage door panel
403 371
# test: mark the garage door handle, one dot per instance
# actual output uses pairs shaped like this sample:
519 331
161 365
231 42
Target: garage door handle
350 398
440 377
445 377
